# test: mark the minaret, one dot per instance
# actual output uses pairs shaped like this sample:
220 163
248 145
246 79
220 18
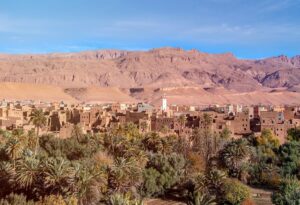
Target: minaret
164 103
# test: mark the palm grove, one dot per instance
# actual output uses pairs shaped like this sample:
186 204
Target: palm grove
125 166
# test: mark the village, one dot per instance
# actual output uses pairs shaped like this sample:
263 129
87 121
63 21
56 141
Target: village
174 119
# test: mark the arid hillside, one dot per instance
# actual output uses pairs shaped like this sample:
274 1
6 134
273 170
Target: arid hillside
84 75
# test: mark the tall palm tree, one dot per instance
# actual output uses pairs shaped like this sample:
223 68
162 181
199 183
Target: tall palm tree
124 174
234 154
90 184
14 149
39 120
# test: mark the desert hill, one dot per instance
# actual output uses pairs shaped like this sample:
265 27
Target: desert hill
25 91
83 76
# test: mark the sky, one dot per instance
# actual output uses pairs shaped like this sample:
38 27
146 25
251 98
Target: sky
248 29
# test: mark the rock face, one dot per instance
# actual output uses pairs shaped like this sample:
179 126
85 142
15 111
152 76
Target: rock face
157 68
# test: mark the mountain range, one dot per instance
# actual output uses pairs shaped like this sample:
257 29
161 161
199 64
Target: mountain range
145 75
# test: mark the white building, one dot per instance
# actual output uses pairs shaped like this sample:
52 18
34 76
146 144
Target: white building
164 106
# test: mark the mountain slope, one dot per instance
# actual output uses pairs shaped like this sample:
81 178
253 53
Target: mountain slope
157 68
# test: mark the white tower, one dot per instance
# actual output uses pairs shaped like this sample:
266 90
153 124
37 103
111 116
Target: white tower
164 103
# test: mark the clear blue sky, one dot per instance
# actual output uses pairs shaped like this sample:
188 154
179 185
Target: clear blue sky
247 28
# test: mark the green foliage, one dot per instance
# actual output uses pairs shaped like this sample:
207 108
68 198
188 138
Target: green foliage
124 174
201 198
70 148
27 172
91 184
263 174
58 176
289 155
162 173
129 130
288 193
122 165
235 155
294 134
267 145
234 192
157 144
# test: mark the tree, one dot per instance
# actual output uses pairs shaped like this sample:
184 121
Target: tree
204 141
7 176
289 155
58 176
14 149
129 130
264 174
215 179
39 120
288 193
27 172
267 144
162 173
195 163
152 142
91 182
235 155
294 134
124 174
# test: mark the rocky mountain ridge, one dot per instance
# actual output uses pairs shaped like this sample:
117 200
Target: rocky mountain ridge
156 68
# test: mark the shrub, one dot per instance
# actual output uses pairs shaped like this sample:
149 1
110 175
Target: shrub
288 193
289 154
234 192
162 173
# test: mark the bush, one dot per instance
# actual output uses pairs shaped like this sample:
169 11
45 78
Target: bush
263 174
289 154
162 173
234 192
294 134
288 193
